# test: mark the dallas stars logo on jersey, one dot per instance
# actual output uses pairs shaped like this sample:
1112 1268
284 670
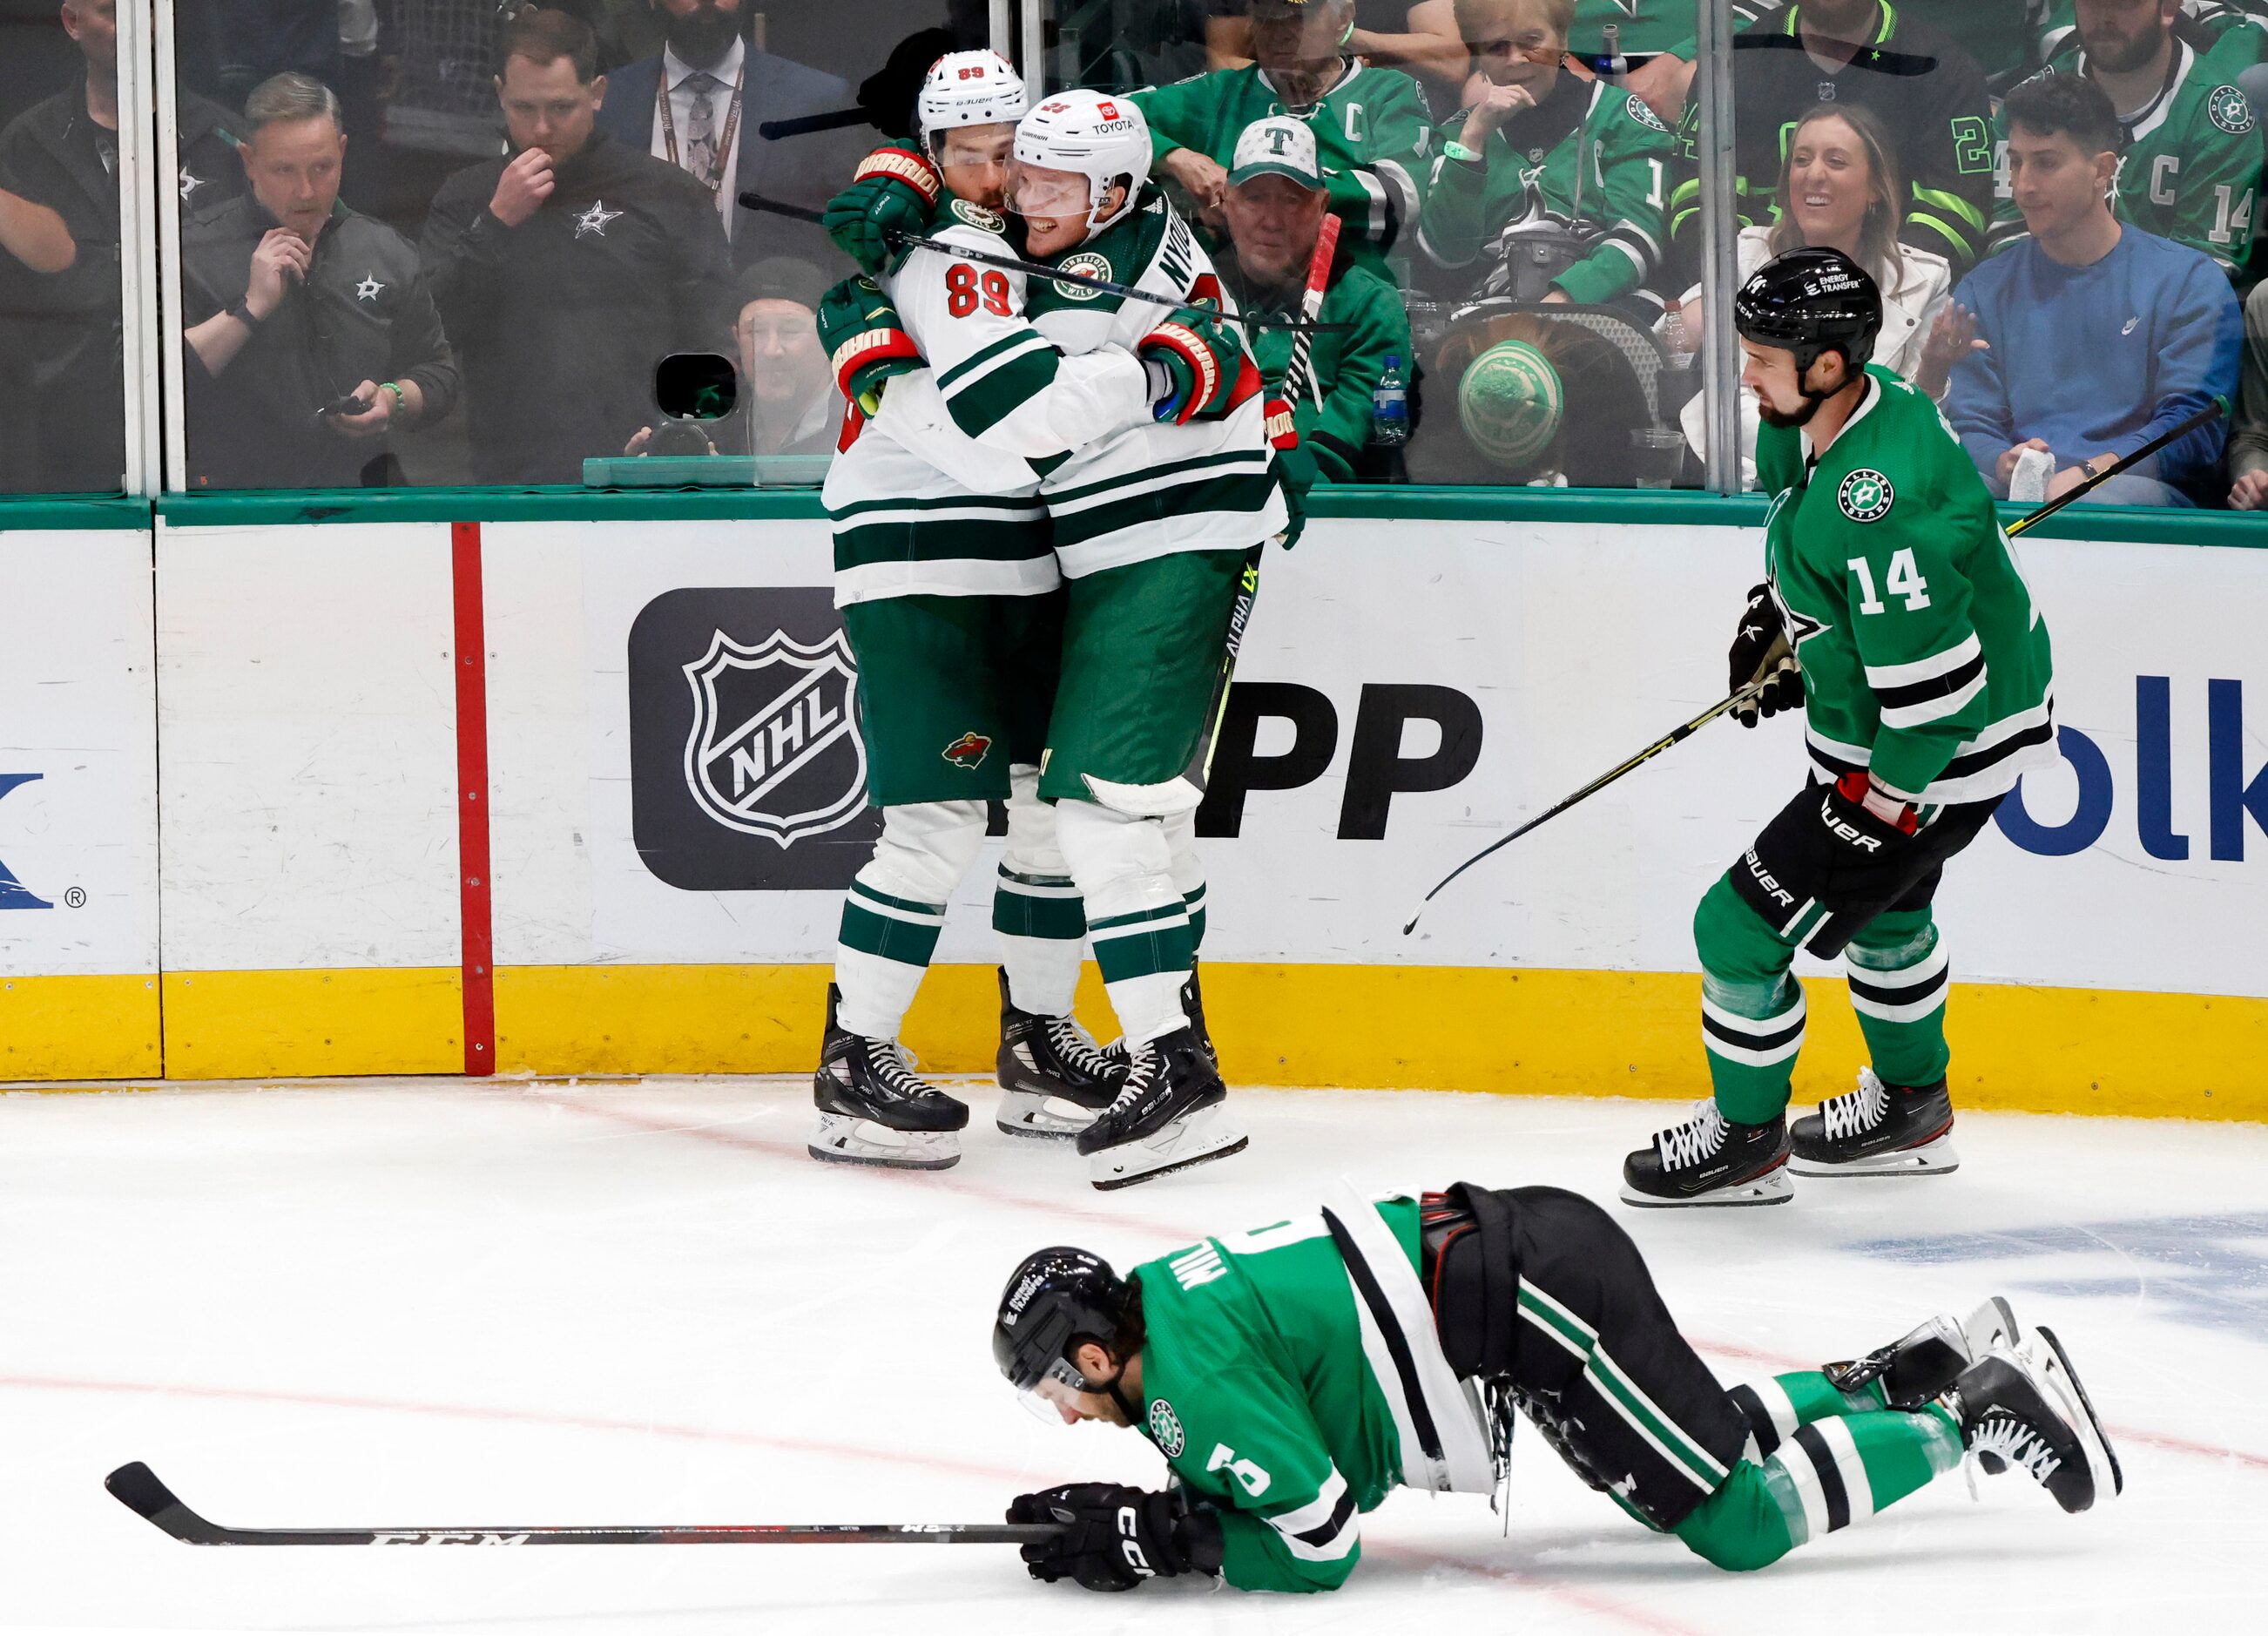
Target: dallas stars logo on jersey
1866 495
2230 109
1165 1426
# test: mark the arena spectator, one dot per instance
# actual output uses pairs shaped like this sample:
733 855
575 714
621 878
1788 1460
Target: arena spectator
2242 26
1372 125
1841 189
1928 93
1276 205
65 330
2248 445
788 403
721 90
2193 142
1553 180
2097 335
565 273
1416 38
35 236
310 334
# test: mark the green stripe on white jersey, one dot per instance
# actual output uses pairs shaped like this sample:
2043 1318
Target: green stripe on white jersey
1925 659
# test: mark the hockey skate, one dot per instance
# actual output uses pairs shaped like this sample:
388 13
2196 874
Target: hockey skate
2023 1407
1711 1161
1054 1078
874 1109
1877 1130
1193 1008
1168 1116
1924 1365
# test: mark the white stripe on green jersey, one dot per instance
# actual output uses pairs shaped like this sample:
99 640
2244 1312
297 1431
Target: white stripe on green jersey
904 529
1923 657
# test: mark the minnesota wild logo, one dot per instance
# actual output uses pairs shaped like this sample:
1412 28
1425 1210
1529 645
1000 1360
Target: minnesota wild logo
977 216
1165 1426
1865 495
968 752
2230 109
1087 264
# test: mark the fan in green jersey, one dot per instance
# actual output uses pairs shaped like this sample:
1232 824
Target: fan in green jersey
1372 125
1294 1375
2191 171
1554 179
1894 601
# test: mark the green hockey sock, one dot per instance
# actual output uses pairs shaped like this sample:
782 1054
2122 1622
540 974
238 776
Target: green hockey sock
1898 980
1752 1010
1832 1472
1776 1407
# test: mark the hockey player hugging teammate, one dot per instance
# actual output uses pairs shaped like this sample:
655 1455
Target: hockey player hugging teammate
1023 438
1293 1375
1894 614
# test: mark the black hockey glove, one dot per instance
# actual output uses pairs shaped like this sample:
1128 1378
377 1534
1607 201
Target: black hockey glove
1847 848
1117 1536
1761 653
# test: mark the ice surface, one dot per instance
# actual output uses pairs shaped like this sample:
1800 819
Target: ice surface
415 1303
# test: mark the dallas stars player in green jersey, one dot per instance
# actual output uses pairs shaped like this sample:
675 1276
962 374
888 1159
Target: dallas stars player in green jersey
1293 1375
2191 171
1551 157
1372 125
1925 678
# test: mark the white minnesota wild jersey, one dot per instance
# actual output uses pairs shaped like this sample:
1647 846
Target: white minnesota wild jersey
921 505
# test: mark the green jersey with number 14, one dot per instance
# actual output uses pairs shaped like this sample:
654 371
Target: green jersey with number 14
1923 658
1258 1392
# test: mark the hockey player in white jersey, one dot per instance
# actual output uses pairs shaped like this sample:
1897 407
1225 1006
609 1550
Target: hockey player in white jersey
953 603
1147 424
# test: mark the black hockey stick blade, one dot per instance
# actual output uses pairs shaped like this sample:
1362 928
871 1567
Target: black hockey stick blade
1035 269
139 1489
2212 411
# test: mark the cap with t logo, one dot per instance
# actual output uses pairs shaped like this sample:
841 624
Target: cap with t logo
1277 146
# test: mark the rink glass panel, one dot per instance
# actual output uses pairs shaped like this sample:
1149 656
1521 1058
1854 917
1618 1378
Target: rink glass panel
63 401
556 365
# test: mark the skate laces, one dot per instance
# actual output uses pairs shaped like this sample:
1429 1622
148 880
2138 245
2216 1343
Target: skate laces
1077 1048
1699 1137
2002 1433
894 1067
1854 1113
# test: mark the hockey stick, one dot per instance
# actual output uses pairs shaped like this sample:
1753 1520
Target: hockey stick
138 1488
773 130
1036 269
1199 770
2212 411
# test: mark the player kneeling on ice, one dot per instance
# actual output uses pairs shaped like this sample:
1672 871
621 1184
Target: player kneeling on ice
1291 1376
1894 614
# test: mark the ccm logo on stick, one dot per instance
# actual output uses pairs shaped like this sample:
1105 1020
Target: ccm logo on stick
1377 769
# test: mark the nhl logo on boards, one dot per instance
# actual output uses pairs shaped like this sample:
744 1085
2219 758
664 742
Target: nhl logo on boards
773 749
746 767
1165 1426
968 752
2230 109
1865 495
1087 264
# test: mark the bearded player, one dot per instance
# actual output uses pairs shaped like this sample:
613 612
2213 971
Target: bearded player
1293 1375
1894 614
1147 424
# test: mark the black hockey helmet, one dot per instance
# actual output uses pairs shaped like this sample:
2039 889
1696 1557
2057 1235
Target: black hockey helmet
1811 301
1057 1298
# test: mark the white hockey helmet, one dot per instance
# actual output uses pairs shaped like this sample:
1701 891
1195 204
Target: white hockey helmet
968 88
1093 134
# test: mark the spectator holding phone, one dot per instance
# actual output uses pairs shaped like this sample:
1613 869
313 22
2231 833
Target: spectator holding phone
310 333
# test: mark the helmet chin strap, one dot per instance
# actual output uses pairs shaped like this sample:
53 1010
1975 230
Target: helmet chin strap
1113 1390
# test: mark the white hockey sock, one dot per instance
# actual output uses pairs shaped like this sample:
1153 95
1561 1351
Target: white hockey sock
1036 908
1136 918
896 908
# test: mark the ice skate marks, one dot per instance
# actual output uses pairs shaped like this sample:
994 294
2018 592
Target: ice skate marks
774 750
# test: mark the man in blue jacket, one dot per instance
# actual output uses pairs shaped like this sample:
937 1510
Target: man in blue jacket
2093 336
720 91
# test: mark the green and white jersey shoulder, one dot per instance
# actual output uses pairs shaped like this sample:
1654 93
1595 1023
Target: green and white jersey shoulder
1925 659
2191 168
1257 1390
1373 134
1147 490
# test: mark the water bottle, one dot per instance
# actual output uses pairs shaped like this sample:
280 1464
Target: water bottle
1390 406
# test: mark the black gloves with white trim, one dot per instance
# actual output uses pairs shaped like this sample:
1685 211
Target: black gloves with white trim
1117 1537
1761 652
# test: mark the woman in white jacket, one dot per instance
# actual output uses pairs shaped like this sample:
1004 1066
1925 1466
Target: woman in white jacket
1841 188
